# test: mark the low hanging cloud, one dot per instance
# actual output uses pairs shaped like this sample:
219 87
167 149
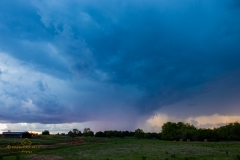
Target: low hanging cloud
72 61
212 121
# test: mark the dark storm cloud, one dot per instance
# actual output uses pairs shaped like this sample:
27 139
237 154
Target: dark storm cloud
168 53
25 37
147 54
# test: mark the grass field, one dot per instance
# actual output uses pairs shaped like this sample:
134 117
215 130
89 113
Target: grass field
127 148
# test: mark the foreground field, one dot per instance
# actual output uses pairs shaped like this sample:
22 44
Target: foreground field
127 148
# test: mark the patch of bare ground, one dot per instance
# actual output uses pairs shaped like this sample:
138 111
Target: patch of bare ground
43 157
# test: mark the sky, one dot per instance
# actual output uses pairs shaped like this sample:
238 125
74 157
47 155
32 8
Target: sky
119 64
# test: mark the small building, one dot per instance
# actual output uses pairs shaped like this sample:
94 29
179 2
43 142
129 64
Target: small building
16 134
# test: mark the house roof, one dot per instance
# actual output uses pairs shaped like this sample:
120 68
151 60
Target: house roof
10 133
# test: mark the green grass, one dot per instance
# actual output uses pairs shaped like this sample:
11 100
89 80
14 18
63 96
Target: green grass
127 148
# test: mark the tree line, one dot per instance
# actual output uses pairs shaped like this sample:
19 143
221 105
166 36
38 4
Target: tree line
184 131
170 131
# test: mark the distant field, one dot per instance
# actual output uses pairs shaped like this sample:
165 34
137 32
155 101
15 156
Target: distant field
127 148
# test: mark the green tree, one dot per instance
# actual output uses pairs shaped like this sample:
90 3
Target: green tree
169 131
87 132
75 131
46 132
121 134
108 133
91 133
79 134
229 132
126 133
139 133
99 134
180 130
147 135
115 133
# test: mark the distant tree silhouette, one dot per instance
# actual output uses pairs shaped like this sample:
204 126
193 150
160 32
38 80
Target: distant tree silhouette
139 133
131 133
171 131
71 134
99 134
75 131
88 132
176 131
108 133
126 133
79 134
46 132
147 135
229 132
